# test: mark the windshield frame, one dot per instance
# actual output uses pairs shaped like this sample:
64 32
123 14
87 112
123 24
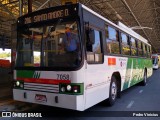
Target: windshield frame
54 68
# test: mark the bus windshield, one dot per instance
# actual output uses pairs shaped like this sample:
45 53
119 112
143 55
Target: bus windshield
49 45
154 60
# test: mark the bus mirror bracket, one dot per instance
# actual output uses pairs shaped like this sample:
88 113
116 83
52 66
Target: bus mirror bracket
90 34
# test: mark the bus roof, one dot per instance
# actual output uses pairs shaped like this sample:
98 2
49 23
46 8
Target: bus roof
120 26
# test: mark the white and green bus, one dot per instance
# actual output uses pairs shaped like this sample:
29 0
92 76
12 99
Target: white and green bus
108 58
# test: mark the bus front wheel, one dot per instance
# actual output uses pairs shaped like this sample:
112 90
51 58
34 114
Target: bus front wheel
112 91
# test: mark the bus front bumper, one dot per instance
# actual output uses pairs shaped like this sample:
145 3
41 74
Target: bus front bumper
74 102
155 67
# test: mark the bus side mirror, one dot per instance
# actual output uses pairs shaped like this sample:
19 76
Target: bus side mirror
90 36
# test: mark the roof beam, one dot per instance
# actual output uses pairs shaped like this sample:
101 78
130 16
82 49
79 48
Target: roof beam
7 10
87 2
11 2
42 5
126 4
143 10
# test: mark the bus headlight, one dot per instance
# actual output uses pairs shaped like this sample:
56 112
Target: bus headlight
69 87
63 89
21 85
18 84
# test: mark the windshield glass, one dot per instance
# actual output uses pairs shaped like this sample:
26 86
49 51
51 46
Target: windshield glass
52 45
154 60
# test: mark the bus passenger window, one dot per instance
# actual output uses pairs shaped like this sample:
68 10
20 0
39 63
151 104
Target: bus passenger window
125 44
133 43
112 40
94 50
140 50
144 50
149 52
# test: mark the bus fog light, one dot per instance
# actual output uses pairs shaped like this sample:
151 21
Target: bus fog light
17 83
75 89
21 85
69 87
63 89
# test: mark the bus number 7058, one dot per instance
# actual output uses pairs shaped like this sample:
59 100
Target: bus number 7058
63 76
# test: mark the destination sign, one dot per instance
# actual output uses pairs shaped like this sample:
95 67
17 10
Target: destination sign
47 16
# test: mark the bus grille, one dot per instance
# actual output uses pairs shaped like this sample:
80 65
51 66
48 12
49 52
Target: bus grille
41 87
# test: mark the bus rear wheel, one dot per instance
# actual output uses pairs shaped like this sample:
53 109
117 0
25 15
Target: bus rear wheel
144 82
112 91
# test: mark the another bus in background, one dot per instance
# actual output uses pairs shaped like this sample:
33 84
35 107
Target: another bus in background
156 61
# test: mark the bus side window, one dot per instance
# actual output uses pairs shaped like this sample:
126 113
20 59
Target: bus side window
140 50
125 44
149 51
112 40
133 43
144 50
93 46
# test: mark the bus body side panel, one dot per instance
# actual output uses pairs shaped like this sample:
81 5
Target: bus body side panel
135 71
96 84
149 67
98 76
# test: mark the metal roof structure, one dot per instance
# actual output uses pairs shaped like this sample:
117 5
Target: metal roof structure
141 15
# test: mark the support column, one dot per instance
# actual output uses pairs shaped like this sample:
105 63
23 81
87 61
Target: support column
30 6
20 7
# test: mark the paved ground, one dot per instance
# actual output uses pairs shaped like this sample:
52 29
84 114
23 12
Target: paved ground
138 99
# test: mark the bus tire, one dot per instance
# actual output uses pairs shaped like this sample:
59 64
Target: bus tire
112 91
118 89
144 78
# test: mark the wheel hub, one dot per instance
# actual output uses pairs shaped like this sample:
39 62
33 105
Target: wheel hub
113 90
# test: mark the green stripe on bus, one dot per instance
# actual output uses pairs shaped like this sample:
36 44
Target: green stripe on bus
25 74
135 71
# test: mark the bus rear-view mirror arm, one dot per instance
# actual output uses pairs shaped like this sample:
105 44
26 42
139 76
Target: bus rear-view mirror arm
90 34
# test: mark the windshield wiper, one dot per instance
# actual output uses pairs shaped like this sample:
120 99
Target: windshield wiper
53 28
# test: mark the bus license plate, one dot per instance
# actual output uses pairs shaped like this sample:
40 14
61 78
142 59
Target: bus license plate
40 98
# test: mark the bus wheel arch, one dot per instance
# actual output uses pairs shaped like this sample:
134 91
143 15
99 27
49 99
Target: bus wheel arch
115 88
118 78
144 77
